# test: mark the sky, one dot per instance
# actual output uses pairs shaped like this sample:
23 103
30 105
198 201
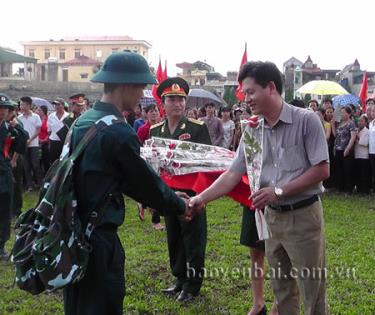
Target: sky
332 32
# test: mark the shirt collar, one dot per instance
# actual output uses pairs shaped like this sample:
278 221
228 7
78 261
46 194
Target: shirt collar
286 113
107 107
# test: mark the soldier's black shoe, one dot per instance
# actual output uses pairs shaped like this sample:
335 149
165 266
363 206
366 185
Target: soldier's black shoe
185 297
172 290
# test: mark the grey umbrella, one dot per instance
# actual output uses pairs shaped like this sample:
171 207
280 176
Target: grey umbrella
37 101
200 97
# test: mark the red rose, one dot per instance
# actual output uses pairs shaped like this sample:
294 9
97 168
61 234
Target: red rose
172 146
253 121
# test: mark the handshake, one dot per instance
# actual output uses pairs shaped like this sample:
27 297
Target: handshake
193 206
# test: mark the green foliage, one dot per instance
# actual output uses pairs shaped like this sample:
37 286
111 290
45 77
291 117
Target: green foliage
230 95
288 96
350 234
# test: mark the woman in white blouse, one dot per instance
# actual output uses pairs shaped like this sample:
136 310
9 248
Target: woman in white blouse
361 155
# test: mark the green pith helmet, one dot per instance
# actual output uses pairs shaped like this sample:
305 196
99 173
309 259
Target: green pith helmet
124 67
5 101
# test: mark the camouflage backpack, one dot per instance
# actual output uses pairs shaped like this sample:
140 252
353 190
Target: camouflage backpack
52 246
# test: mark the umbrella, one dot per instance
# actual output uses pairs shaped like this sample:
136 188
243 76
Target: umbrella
42 102
322 87
345 99
200 97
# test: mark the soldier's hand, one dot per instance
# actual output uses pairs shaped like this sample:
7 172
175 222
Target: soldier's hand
13 122
188 215
196 205
182 195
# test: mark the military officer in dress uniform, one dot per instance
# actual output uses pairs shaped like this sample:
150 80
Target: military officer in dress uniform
186 240
109 167
12 139
77 105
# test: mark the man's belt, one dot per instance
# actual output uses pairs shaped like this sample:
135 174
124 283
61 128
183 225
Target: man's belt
297 205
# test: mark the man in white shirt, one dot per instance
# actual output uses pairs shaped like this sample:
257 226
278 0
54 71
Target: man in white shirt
55 123
32 124
371 118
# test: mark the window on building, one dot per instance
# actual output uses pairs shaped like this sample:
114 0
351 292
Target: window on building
84 75
47 53
77 53
62 54
98 54
32 53
114 50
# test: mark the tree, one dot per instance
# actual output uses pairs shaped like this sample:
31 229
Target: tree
230 95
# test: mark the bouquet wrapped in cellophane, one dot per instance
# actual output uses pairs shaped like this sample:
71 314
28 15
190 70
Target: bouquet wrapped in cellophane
176 157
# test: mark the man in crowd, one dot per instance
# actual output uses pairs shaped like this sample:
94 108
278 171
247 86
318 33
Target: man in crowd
295 162
55 123
109 167
12 138
31 123
186 240
313 105
214 125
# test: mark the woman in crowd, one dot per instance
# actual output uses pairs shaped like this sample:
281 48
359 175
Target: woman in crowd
327 122
228 125
345 133
362 162
191 113
153 117
42 111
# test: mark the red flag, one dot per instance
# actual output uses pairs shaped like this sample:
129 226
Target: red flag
239 94
165 73
363 92
159 78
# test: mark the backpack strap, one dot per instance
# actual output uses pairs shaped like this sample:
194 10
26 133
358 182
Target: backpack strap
99 125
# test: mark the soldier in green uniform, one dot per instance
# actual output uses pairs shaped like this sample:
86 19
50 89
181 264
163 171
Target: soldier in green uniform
12 138
109 167
77 107
186 240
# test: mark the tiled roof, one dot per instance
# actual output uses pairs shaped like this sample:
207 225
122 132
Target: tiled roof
82 61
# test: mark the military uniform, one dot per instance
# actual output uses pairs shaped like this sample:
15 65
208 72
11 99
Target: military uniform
186 240
11 139
109 167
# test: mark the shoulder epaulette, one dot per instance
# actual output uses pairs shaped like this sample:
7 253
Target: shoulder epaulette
157 125
195 121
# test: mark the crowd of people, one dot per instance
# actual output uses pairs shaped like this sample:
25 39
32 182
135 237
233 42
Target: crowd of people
349 137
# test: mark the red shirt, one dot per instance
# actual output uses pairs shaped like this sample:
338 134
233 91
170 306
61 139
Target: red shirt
144 132
43 133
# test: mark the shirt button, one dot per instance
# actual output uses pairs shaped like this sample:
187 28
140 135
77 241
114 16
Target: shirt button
273 148
275 165
272 131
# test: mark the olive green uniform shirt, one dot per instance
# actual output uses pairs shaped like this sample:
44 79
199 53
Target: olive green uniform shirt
111 164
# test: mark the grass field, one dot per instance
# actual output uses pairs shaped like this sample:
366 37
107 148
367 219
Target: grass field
350 234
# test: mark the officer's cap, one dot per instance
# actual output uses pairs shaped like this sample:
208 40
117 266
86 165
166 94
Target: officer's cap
124 68
77 99
173 87
5 101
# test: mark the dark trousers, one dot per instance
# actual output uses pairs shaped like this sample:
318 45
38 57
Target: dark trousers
155 219
344 171
102 290
5 217
17 187
187 246
45 160
372 163
32 166
363 175
55 148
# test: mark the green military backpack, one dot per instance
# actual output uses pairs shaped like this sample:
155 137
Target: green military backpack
52 246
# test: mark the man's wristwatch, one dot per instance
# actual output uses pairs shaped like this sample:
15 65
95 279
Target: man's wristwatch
278 192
